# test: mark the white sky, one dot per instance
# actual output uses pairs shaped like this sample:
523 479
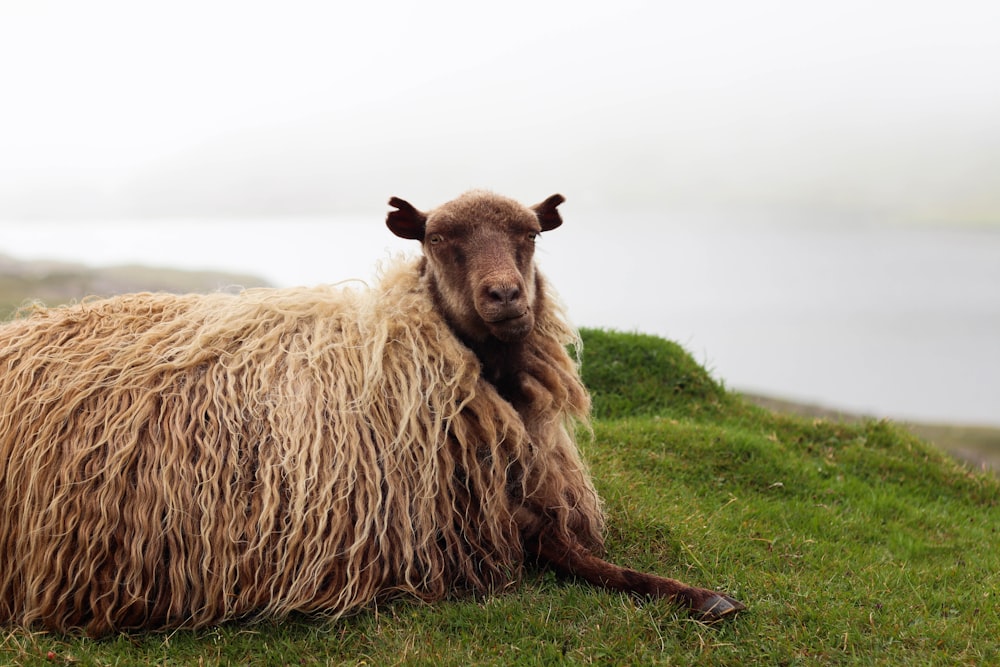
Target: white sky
113 101
188 110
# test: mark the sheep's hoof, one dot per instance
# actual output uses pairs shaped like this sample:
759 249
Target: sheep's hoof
717 608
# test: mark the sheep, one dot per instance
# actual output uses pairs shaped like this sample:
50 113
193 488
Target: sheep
178 461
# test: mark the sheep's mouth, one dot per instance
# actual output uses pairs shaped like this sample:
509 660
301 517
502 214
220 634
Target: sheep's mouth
508 318
512 328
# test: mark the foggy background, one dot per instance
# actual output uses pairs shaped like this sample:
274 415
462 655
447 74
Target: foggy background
805 195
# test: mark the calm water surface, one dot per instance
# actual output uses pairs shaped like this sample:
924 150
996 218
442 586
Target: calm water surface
885 319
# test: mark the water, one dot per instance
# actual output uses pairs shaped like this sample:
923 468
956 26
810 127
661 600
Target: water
887 320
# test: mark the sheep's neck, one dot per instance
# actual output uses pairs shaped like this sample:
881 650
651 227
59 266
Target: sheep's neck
500 363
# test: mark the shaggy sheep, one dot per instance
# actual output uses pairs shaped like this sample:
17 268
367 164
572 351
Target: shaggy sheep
175 461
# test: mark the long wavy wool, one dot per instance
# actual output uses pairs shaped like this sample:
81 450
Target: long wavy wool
181 460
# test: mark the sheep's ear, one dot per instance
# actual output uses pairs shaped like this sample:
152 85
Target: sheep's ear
407 222
547 214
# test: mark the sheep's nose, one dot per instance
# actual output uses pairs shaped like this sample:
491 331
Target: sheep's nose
504 294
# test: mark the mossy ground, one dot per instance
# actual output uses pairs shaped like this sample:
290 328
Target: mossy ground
850 543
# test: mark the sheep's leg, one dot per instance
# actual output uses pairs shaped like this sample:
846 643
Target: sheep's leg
705 605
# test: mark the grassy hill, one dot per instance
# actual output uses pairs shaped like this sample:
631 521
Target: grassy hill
851 543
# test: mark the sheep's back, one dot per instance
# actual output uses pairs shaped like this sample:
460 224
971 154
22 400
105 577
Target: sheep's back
174 460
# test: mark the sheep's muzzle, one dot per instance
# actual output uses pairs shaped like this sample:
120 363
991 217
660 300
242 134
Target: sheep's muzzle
503 304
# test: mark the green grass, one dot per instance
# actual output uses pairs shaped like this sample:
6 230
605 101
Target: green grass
851 543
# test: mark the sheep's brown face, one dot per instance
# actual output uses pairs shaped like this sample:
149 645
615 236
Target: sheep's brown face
479 252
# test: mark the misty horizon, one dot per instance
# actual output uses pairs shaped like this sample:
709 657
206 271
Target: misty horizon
805 194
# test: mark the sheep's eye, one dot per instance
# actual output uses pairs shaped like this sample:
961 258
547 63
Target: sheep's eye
434 239
532 236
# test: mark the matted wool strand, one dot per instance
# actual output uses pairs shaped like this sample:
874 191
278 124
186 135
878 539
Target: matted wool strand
176 461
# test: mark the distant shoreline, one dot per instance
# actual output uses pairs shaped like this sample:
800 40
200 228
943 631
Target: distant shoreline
55 282
977 446
791 305
61 282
